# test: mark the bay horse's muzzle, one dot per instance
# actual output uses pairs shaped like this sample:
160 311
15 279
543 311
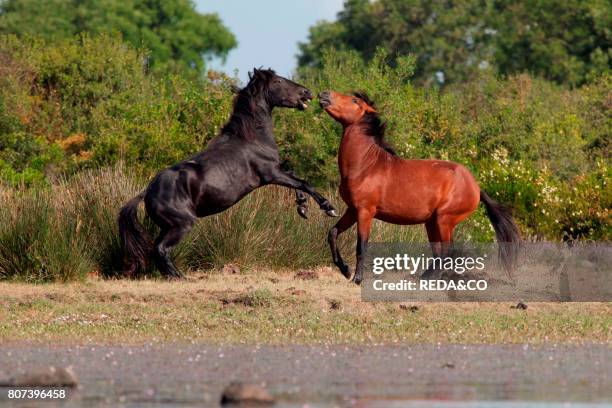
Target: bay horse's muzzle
324 99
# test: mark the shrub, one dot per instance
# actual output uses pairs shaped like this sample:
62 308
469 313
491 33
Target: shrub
88 103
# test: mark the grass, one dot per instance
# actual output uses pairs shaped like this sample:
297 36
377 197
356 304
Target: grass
264 306
68 230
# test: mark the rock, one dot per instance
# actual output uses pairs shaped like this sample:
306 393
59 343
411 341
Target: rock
45 377
584 264
241 393
306 275
448 365
412 308
230 269
520 306
334 304
296 292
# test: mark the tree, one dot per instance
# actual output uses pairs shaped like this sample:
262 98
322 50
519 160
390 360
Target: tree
173 31
452 40
565 41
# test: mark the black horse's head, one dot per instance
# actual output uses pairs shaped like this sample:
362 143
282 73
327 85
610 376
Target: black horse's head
279 91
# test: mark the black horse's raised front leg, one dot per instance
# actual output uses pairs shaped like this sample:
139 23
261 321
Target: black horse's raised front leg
300 199
302 203
285 179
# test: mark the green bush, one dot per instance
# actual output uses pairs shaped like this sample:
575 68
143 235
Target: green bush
87 103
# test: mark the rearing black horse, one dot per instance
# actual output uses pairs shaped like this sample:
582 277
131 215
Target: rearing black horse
243 157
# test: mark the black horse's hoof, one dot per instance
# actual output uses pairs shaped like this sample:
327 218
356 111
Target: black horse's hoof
332 212
302 211
346 271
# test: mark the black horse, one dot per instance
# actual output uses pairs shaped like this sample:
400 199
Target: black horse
243 157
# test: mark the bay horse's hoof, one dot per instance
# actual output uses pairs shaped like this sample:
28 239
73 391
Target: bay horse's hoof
332 212
302 211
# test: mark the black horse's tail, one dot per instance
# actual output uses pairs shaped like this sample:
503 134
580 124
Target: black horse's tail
135 241
506 231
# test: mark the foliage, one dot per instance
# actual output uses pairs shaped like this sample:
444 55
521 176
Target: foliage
174 32
568 42
531 144
86 103
83 103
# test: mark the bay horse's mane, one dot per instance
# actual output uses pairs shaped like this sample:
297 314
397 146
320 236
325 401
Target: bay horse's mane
245 119
373 125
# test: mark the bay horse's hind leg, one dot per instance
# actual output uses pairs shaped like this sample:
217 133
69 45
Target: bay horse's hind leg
440 234
345 222
168 238
446 226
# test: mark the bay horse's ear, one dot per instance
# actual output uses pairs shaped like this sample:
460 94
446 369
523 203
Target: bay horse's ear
369 103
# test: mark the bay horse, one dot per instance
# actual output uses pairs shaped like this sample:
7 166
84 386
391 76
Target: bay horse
243 157
376 183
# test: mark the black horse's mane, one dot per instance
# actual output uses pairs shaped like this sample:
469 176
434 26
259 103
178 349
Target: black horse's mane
373 125
246 113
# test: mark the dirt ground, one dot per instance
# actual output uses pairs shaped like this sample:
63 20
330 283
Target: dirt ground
307 337
276 307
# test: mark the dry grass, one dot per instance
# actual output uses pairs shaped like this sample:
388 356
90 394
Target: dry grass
275 307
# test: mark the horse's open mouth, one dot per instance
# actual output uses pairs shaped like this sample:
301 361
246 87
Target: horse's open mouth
303 103
324 102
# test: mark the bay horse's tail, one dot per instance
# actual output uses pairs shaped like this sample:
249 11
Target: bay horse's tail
506 231
135 241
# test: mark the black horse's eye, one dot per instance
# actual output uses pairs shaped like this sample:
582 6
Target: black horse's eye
278 81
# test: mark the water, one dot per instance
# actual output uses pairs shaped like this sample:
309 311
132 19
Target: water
389 376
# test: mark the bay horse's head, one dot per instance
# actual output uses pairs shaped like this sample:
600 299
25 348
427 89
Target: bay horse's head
346 109
278 91
356 109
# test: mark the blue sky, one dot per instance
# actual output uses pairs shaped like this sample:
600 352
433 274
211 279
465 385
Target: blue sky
267 30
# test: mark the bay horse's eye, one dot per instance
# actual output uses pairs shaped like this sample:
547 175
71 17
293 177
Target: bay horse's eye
354 100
